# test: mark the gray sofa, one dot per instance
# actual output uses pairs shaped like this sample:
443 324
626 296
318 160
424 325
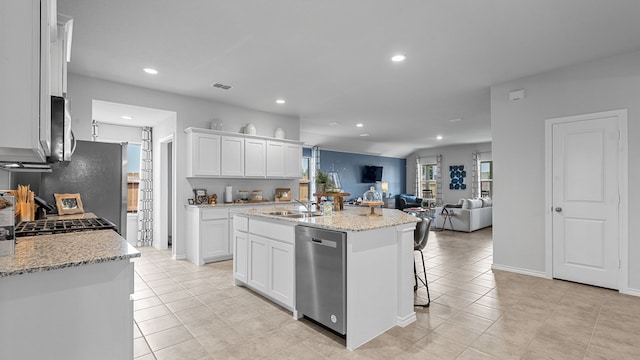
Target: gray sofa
472 215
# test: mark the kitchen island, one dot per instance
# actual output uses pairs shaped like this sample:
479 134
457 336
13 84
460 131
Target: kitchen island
67 296
379 263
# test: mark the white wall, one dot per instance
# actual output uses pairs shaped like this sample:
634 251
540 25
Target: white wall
519 144
451 155
190 112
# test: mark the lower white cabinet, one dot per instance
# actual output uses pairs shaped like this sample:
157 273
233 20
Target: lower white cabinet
264 258
208 237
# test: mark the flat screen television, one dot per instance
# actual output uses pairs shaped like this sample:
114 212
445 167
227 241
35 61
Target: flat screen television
371 174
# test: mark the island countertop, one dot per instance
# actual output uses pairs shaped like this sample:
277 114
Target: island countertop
57 251
354 218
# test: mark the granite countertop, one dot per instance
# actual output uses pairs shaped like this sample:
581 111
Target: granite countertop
352 218
57 251
240 204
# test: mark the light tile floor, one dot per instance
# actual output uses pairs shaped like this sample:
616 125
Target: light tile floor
184 311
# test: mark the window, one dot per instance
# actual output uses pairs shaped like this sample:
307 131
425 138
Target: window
486 178
428 179
133 177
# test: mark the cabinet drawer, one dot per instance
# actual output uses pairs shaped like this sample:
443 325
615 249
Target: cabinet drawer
209 214
240 223
272 230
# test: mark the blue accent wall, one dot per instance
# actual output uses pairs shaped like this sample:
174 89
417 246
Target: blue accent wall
350 166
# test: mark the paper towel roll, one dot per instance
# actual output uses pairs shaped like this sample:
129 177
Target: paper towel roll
228 194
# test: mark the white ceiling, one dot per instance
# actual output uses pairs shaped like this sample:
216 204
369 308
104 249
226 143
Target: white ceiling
331 59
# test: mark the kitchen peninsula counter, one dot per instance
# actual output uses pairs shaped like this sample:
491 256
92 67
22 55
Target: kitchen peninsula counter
57 251
68 296
379 263
352 218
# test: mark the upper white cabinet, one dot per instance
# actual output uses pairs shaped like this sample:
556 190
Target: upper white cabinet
275 159
204 154
60 54
222 154
292 160
233 155
255 163
25 31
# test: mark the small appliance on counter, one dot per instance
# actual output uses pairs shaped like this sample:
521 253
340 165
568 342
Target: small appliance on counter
228 194
7 223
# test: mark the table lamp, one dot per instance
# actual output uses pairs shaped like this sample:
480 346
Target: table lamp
384 187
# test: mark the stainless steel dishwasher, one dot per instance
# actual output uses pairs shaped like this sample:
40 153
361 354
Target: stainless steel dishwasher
321 280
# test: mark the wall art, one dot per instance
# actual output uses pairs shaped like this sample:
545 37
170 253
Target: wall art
457 175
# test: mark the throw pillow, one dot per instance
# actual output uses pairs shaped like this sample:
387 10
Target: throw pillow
476 203
486 202
466 204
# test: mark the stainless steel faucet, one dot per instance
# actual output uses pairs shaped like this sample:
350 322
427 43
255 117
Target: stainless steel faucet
307 205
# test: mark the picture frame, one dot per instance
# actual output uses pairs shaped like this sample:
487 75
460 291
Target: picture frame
69 204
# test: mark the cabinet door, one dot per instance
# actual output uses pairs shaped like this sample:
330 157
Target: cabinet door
254 160
257 271
26 123
205 155
240 255
275 159
293 161
214 239
281 272
232 156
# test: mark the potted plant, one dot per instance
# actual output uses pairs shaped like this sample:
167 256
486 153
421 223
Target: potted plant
321 181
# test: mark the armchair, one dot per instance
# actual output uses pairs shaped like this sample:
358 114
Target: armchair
404 201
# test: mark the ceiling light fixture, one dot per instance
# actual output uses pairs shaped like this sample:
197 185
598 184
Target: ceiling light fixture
334 123
280 101
365 134
439 137
398 58
455 120
359 124
127 117
150 71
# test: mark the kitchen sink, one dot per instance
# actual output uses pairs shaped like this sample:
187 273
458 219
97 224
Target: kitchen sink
294 214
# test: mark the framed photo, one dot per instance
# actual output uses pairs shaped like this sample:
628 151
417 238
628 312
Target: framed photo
68 204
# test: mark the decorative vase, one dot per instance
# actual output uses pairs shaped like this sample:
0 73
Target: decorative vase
250 129
279 133
333 183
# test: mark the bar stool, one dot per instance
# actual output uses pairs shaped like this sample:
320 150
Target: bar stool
420 237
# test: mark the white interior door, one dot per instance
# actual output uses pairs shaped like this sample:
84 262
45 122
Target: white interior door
585 232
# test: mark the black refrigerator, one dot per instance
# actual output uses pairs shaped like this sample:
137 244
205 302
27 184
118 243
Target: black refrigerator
98 172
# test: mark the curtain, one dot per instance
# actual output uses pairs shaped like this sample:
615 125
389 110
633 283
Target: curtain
475 179
439 201
145 206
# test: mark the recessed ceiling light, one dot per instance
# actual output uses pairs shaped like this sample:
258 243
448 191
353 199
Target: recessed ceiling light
150 71
439 137
280 101
359 124
334 123
365 134
127 117
455 120
398 58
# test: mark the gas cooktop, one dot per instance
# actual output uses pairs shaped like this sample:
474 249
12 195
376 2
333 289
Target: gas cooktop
44 227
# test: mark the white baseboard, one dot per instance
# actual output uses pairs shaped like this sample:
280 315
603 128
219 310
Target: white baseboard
180 257
629 291
522 271
403 321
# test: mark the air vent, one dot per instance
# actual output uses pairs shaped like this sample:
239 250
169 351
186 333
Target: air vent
221 86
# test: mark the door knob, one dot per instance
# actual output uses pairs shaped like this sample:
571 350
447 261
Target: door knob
558 209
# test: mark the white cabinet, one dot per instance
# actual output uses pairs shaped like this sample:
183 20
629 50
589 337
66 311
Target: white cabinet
221 154
275 159
255 162
258 261
208 235
293 161
264 258
24 70
60 54
232 159
281 268
204 154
